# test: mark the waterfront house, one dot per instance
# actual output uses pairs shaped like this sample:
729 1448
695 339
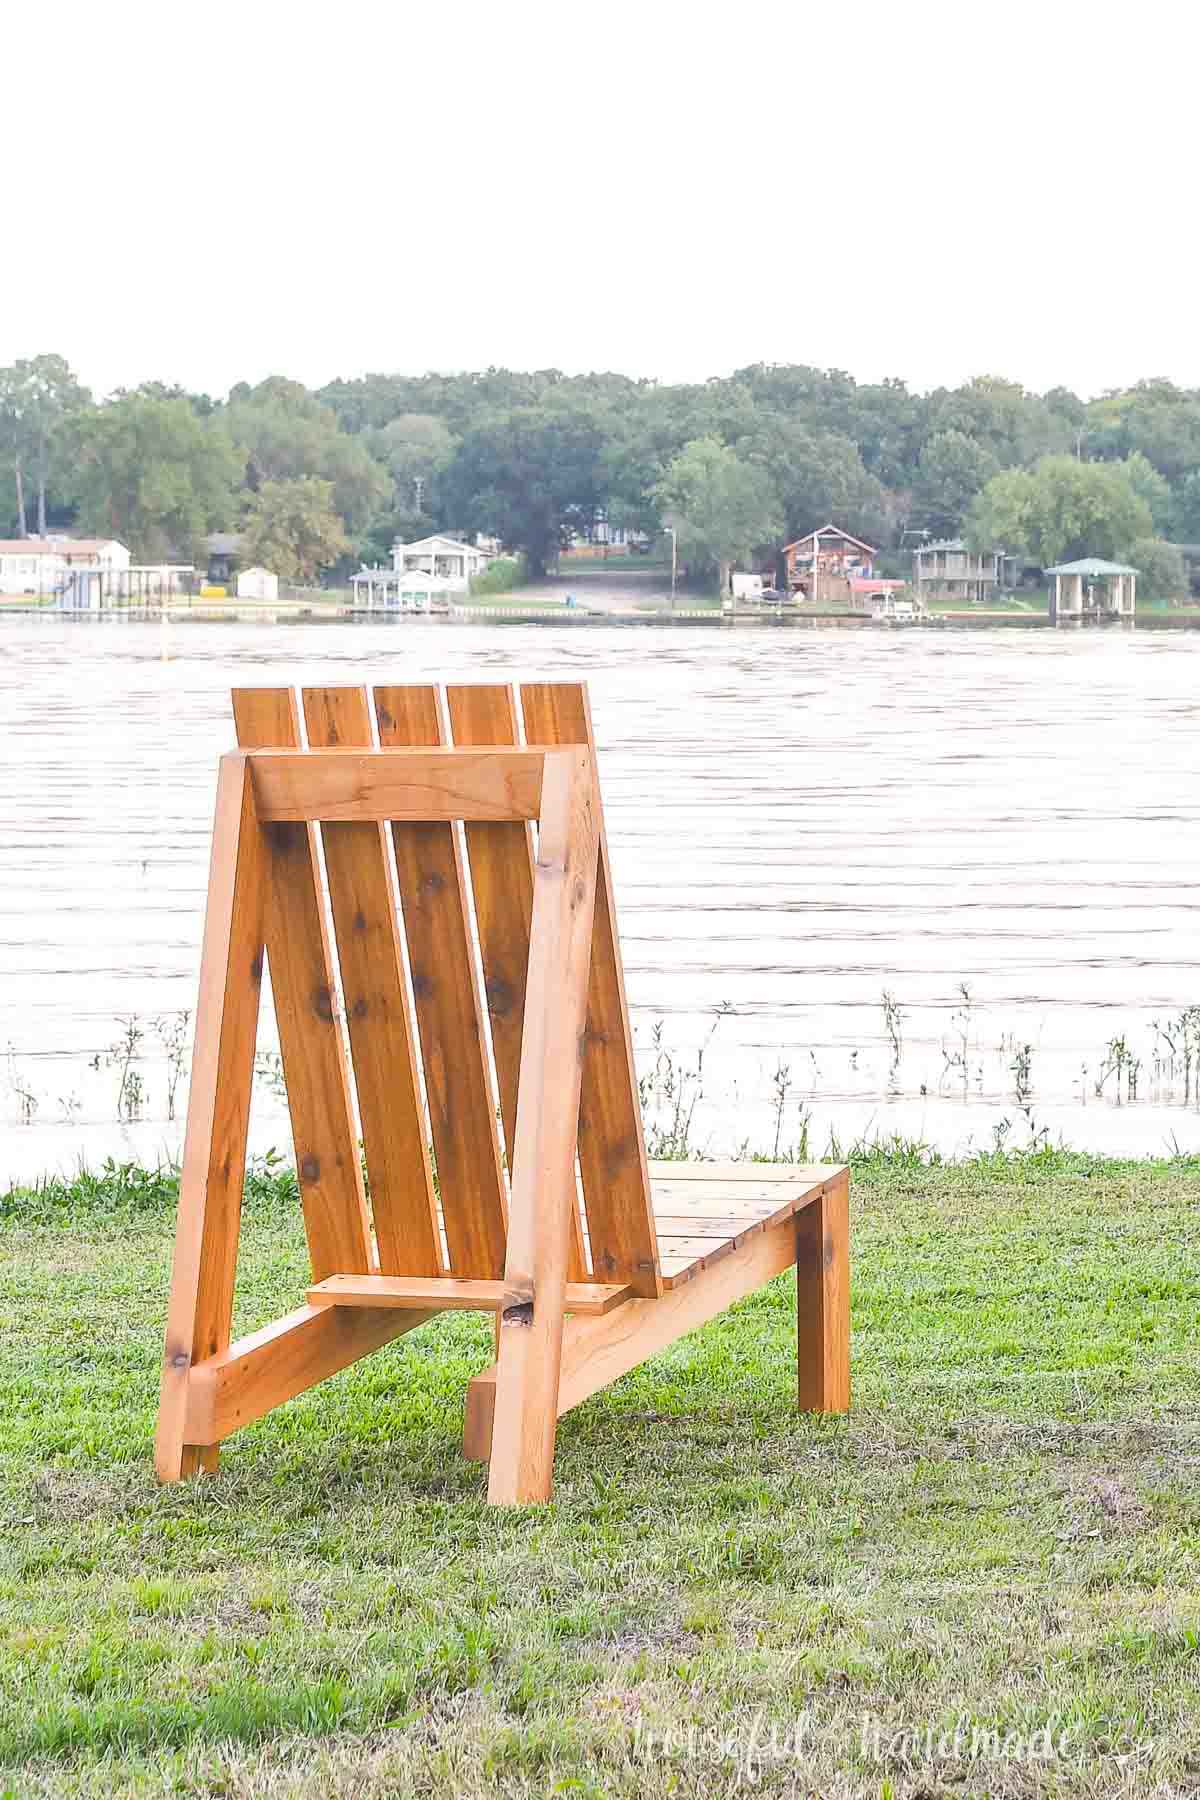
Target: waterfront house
34 565
947 570
821 564
451 562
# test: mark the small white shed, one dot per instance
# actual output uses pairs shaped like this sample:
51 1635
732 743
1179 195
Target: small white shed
257 584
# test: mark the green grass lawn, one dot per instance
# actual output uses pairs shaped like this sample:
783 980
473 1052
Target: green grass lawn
724 1596
613 565
1028 602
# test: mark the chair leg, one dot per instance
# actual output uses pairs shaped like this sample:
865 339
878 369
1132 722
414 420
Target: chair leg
479 1416
521 1466
823 1300
521 1462
214 1157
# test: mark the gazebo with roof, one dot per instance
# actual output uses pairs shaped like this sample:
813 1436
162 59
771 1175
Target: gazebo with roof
1092 586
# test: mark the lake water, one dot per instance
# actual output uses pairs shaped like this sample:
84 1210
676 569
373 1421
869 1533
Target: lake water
800 821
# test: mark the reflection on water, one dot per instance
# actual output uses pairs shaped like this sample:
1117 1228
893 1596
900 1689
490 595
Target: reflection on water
800 823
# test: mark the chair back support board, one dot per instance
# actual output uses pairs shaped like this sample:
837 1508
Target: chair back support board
477 1007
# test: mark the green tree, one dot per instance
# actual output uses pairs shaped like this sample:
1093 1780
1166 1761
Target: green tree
1154 489
952 470
294 529
1060 511
528 475
154 474
818 476
1015 426
721 507
38 397
1155 417
1162 573
1187 509
414 449
288 435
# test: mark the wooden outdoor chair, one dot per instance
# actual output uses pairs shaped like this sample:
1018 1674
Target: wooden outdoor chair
592 1258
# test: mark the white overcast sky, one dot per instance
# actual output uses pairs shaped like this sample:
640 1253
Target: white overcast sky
217 192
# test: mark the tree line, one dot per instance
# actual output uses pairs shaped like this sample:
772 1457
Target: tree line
317 480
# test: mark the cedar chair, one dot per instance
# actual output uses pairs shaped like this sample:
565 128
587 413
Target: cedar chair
591 1258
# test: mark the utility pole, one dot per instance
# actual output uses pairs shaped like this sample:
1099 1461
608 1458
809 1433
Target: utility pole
674 561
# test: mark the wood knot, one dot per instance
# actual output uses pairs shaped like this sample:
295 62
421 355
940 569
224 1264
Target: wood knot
827 1253
180 1360
310 1168
578 892
256 967
433 882
422 986
520 1314
360 920
322 1002
360 1008
386 721
499 997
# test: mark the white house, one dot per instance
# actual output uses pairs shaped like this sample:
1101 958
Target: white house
451 562
41 565
257 584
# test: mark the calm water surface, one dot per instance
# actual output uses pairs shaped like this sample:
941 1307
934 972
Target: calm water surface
800 822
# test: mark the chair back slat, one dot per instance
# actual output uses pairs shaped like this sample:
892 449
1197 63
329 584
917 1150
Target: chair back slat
311 1041
378 1018
450 1012
501 861
450 1026
612 1150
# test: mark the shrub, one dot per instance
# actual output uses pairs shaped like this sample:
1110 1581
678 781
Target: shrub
500 577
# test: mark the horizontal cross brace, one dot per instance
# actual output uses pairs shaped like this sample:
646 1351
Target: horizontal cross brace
446 1294
415 785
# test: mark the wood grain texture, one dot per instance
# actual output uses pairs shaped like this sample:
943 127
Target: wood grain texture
596 1352
447 1294
285 1358
690 1205
543 1184
382 1031
501 864
222 1074
612 1151
351 786
450 1012
823 1300
311 1040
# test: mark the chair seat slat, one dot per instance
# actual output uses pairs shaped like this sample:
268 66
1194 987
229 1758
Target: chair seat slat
452 1295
